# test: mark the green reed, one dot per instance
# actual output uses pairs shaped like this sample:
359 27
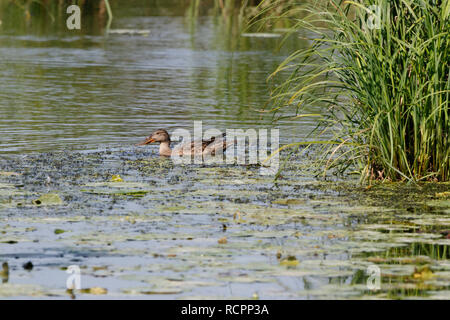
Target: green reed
382 77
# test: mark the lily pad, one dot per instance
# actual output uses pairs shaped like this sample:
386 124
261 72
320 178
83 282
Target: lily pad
50 199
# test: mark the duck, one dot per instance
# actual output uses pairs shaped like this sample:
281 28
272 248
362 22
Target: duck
208 147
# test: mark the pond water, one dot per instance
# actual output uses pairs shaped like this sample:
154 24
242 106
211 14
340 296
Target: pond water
73 105
76 90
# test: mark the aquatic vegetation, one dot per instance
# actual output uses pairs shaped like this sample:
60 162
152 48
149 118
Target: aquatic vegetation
195 230
385 88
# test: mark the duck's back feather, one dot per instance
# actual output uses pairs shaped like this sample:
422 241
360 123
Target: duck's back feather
210 146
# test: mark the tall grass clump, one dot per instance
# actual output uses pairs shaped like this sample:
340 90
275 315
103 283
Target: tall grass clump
380 70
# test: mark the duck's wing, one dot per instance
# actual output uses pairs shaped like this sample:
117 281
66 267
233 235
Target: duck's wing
206 146
216 145
193 147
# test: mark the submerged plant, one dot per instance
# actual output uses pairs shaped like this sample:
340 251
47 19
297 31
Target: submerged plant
380 69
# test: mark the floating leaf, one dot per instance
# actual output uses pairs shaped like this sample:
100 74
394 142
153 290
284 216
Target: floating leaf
261 35
99 268
129 32
9 174
289 201
49 199
95 290
4 273
116 178
130 219
290 261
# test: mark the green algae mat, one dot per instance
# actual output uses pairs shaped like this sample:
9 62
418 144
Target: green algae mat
135 226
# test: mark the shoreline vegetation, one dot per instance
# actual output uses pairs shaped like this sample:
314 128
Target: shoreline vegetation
385 87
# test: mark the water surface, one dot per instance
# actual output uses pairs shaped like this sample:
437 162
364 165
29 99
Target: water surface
84 90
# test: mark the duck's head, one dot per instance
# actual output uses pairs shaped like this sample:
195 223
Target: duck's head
159 135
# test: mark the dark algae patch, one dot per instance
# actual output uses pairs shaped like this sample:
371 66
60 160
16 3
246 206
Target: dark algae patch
137 225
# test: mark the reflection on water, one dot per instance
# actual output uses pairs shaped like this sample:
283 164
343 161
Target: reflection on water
63 89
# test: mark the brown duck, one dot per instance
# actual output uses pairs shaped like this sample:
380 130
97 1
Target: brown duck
207 147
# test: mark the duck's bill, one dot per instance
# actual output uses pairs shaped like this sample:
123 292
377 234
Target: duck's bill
146 141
